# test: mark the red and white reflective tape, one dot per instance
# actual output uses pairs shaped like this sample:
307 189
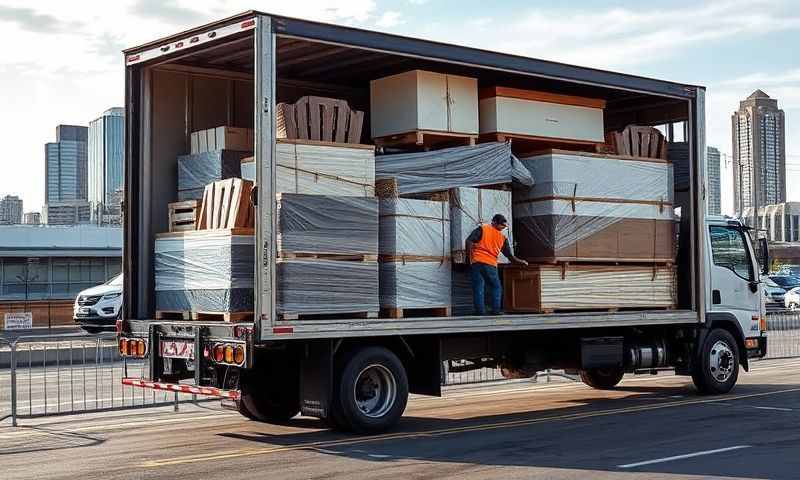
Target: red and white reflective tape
177 387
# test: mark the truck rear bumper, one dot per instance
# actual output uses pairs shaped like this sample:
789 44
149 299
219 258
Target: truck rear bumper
182 388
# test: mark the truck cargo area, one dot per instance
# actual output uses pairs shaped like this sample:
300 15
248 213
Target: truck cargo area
215 85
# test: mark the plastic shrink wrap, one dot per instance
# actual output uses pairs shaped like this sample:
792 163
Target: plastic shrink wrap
320 224
204 271
197 170
319 168
308 287
596 208
438 170
414 248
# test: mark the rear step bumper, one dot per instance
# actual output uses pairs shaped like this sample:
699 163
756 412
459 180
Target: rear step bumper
180 388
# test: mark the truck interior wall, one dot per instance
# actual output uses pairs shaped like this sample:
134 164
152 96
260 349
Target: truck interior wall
182 102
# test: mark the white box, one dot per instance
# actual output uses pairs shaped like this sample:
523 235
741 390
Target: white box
542 115
421 100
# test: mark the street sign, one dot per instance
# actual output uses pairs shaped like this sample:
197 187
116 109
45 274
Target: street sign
18 321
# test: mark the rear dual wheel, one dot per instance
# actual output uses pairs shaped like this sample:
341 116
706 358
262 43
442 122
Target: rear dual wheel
371 393
602 378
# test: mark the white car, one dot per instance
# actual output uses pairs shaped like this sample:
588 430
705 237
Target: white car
791 299
98 308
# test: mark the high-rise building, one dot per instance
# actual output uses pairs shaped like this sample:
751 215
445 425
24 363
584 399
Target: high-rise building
759 153
106 160
10 210
65 165
31 218
713 175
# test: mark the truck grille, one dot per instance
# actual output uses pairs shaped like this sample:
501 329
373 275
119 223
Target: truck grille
85 300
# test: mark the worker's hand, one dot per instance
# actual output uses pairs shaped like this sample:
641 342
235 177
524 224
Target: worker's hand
520 261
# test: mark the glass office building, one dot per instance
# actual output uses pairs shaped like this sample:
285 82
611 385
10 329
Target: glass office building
106 160
66 165
713 174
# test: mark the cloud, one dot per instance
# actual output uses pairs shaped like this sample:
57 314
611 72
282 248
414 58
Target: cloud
167 11
28 19
389 20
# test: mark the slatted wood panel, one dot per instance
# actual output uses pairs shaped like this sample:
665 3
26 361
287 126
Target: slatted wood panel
319 118
226 204
638 141
183 215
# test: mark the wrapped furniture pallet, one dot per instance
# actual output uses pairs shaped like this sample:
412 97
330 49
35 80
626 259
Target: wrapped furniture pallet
326 287
414 251
548 288
327 226
437 170
471 207
321 168
205 273
595 207
327 248
197 170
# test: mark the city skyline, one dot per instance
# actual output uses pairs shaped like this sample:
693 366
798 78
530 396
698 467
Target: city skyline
80 53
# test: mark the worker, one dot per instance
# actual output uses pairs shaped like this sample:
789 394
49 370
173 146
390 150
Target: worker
484 244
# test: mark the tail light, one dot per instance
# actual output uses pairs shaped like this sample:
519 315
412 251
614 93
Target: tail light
123 346
132 347
238 355
228 353
763 324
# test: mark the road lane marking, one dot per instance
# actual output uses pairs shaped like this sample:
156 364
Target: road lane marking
780 409
442 432
681 457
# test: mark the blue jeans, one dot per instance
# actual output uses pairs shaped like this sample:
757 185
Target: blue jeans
485 275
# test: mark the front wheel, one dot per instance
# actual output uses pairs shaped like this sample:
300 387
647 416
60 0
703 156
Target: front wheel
372 391
602 378
716 367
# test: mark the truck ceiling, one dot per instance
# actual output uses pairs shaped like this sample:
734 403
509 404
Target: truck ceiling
341 40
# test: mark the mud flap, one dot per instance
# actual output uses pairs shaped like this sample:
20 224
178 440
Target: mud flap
316 378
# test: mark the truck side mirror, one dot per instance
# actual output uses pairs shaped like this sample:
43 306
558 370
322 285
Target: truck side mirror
763 255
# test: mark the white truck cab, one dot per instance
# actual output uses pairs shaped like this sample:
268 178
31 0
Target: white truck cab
734 296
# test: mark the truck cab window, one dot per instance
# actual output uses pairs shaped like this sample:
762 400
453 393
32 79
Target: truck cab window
729 250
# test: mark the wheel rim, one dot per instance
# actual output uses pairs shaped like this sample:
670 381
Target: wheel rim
375 391
721 361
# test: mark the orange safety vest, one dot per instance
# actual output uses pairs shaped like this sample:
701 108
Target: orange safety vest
488 248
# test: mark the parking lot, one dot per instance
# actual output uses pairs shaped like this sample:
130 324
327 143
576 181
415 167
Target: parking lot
651 427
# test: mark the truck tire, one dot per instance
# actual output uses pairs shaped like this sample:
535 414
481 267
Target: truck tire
716 367
372 391
602 378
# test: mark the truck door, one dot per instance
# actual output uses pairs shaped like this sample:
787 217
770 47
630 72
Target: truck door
734 277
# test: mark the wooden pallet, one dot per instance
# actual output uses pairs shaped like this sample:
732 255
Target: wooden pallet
638 141
415 312
226 204
183 215
325 316
328 256
229 317
319 118
426 139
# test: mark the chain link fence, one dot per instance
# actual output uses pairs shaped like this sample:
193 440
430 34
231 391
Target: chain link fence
62 375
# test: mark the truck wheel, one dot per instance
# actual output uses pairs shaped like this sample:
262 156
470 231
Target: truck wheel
372 391
602 378
717 367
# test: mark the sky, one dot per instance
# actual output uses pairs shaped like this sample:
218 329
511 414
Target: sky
61 62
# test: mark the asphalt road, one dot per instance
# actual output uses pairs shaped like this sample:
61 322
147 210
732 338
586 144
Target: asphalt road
651 427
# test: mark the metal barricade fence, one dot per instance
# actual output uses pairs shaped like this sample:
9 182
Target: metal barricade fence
50 376
61 375
783 334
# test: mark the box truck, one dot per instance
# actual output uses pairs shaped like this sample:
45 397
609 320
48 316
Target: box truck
358 372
